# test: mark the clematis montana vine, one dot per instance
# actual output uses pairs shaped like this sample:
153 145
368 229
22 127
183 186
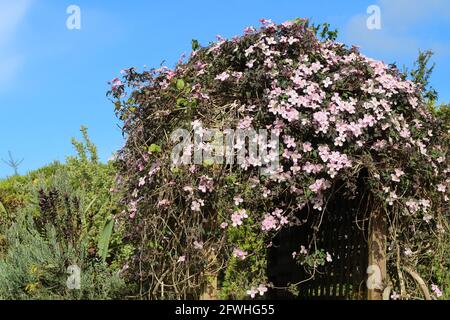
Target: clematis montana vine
343 120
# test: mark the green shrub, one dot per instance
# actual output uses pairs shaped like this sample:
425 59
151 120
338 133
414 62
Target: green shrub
35 264
56 216
16 191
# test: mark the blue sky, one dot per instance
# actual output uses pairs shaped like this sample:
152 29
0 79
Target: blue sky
53 80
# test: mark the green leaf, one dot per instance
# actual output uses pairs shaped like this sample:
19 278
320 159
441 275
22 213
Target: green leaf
231 178
175 170
208 162
195 44
3 209
181 102
154 148
180 84
104 239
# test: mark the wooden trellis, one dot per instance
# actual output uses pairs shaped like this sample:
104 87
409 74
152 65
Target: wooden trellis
343 233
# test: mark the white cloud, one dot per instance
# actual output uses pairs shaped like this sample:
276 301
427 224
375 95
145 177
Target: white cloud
399 18
12 13
405 13
378 41
9 66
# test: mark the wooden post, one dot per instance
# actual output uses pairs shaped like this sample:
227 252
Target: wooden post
211 289
377 255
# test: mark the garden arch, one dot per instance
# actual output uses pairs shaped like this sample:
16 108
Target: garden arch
343 229
336 112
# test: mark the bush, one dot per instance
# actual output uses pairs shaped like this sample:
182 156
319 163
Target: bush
59 215
36 260
16 191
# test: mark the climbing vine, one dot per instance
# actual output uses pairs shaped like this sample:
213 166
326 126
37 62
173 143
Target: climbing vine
339 116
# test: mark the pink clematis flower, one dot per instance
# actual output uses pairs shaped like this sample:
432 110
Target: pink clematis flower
240 254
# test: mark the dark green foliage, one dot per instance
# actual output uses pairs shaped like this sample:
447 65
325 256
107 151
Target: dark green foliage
422 72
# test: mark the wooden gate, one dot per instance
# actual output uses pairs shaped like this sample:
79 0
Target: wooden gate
342 233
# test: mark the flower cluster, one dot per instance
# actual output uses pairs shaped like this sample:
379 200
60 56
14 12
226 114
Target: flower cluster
274 220
238 216
261 289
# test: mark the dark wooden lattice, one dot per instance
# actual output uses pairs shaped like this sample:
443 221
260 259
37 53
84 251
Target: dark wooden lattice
344 235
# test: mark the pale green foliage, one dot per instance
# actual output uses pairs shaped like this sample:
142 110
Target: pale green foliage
95 180
34 266
60 215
